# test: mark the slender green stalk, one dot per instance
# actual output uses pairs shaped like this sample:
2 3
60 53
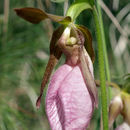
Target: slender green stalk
104 42
104 49
101 69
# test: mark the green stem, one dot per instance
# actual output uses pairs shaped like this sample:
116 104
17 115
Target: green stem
101 69
104 49
104 43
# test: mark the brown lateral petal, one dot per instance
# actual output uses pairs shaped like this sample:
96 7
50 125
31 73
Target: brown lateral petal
54 48
87 70
35 15
55 54
88 41
49 68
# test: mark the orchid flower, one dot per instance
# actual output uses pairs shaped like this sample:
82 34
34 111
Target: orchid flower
72 94
69 104
120 105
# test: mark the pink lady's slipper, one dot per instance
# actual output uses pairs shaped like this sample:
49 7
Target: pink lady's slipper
69 105
72 94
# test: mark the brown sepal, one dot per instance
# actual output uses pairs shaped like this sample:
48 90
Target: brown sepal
35 15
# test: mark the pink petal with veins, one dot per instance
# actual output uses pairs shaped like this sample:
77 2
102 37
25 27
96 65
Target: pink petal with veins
68 103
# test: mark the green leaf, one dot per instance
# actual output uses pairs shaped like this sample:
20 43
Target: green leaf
91 2
57 1
88 41
76 8
35 16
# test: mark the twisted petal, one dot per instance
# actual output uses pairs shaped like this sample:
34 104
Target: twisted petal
68 103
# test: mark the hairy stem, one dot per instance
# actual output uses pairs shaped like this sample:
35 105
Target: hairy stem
104 43
101 69
104 49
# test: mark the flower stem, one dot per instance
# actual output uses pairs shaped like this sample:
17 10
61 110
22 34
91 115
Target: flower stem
104 43
104 49
101 69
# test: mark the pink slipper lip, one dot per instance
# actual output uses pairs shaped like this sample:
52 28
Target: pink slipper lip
68 102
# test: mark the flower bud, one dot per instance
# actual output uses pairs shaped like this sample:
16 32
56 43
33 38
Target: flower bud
115 108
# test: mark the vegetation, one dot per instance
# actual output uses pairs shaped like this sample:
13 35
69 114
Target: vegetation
24 52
